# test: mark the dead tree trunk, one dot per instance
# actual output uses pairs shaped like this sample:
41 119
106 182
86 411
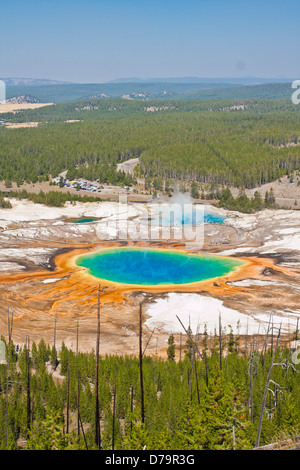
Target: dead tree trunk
9 327
114 418
191 373
197 383
220 341
97 437
265 347
68 395
78 381
272 337
141 366
266 391
131 406
54 357
193 343
234 424
250 402
180 347
82 430
28 386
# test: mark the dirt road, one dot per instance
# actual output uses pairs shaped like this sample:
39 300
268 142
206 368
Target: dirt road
128 166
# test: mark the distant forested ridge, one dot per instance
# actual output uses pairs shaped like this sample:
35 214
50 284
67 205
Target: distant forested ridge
277 91
55 92
228 142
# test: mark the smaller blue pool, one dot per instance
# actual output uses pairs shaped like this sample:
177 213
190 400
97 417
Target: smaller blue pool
83 220
187 216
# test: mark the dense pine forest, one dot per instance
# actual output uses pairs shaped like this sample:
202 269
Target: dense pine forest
222 393
226 142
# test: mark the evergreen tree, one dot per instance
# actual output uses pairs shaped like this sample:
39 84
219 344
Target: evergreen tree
171 348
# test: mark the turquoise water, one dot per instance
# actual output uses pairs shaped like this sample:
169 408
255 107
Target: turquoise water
213 218
154 266
188 216
83 220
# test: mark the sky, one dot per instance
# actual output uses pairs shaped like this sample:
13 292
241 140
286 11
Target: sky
94 41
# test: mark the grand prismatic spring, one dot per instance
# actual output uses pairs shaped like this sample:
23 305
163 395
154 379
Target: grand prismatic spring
54 260
140 266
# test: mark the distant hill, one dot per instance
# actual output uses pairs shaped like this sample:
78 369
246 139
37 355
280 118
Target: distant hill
212 81
270 91
22 99
31 82
65 93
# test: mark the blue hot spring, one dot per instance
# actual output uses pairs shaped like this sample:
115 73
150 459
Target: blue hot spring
83 220
147 266
186 215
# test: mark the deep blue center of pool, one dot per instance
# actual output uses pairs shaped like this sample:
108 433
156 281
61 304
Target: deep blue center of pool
187 215
154 266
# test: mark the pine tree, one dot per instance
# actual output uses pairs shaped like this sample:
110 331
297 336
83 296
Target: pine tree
171 348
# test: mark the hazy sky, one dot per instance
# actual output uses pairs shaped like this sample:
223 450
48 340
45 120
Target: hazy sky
99 40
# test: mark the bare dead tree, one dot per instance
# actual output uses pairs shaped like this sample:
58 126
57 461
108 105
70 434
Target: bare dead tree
246 339
238 336
82 430
68 394
114 417
149 339
54 334
193 342
155 362
196 378
220 340
28 384
10 324
141 364
131 406
9 327
77 336
78 380
264 351
276 397
266 390
54 358
272 339
180 345
97 437
250 400
234 424
191 373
